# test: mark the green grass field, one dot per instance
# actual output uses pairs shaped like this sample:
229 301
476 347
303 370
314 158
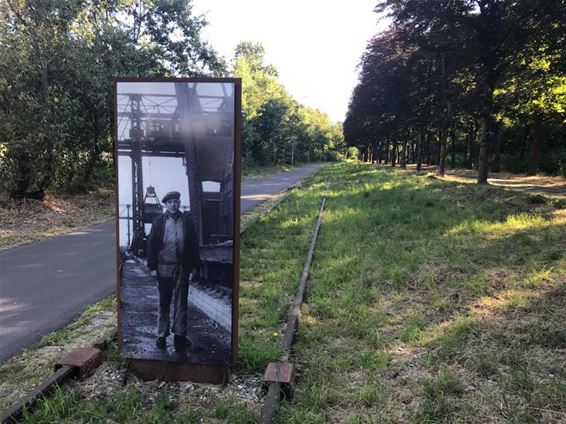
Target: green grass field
432 301
428 301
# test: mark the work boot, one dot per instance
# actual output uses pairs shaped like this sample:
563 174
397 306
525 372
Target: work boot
161 342
181 341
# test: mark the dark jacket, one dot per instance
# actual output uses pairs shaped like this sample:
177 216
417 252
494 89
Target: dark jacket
191 257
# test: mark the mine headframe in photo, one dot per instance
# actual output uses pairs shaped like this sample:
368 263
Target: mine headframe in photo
196 124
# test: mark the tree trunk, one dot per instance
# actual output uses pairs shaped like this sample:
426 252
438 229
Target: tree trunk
23 175
420 143
393 154
90 166
482 159
453 152
471 150
535 146
375 149
436 156
524 142
472 145
446 121
466 149
413 151
428 149
404 157
442 154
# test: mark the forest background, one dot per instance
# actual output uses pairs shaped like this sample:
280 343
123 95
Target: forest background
483 81
57 61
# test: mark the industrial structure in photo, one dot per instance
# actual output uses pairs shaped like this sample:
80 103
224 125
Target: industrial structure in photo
194 122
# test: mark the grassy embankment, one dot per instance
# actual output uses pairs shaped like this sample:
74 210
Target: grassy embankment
428 301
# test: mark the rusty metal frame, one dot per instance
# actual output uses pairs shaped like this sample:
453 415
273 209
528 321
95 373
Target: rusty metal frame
149 369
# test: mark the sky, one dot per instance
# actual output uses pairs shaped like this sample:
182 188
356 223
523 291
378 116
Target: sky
314 44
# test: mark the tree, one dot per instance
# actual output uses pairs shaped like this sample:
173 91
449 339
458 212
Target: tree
58 59
453 68
276 129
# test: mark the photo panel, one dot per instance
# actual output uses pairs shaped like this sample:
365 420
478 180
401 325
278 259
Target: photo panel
176 153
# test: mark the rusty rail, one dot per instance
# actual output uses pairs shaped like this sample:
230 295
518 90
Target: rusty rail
14 412
76 364
272 397
64 372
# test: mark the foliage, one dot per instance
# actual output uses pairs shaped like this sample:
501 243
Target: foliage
276 128
482 78
57 60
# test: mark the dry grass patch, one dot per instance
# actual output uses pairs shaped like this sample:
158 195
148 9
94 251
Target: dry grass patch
25 221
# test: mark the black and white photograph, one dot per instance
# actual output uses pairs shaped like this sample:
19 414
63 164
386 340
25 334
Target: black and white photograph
175 145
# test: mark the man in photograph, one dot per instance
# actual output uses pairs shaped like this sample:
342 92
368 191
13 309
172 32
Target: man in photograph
172 255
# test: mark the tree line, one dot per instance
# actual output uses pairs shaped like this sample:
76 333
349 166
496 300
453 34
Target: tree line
277 129
477 83
57 61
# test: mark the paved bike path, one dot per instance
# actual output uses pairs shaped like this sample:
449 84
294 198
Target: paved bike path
44 285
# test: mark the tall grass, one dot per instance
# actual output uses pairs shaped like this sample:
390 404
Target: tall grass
428 301
426 297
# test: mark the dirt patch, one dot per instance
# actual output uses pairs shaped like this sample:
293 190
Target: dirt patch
553 187
548 186
27 220
111 378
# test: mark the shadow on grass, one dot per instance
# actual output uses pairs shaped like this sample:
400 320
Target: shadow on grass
462 274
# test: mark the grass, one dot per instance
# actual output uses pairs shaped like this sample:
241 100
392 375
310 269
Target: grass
432 301
127 406
23 372
428 301
254 170
272 256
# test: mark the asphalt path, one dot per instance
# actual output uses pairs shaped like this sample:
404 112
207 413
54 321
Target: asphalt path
45 285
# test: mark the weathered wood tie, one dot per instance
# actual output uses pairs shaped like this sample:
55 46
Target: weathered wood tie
272 397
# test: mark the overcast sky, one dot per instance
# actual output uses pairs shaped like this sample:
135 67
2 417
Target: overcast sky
315 44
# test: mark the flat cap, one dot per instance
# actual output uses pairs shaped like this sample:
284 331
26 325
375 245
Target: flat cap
171 195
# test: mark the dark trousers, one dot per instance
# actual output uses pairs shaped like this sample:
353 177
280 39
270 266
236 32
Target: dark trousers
178 290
